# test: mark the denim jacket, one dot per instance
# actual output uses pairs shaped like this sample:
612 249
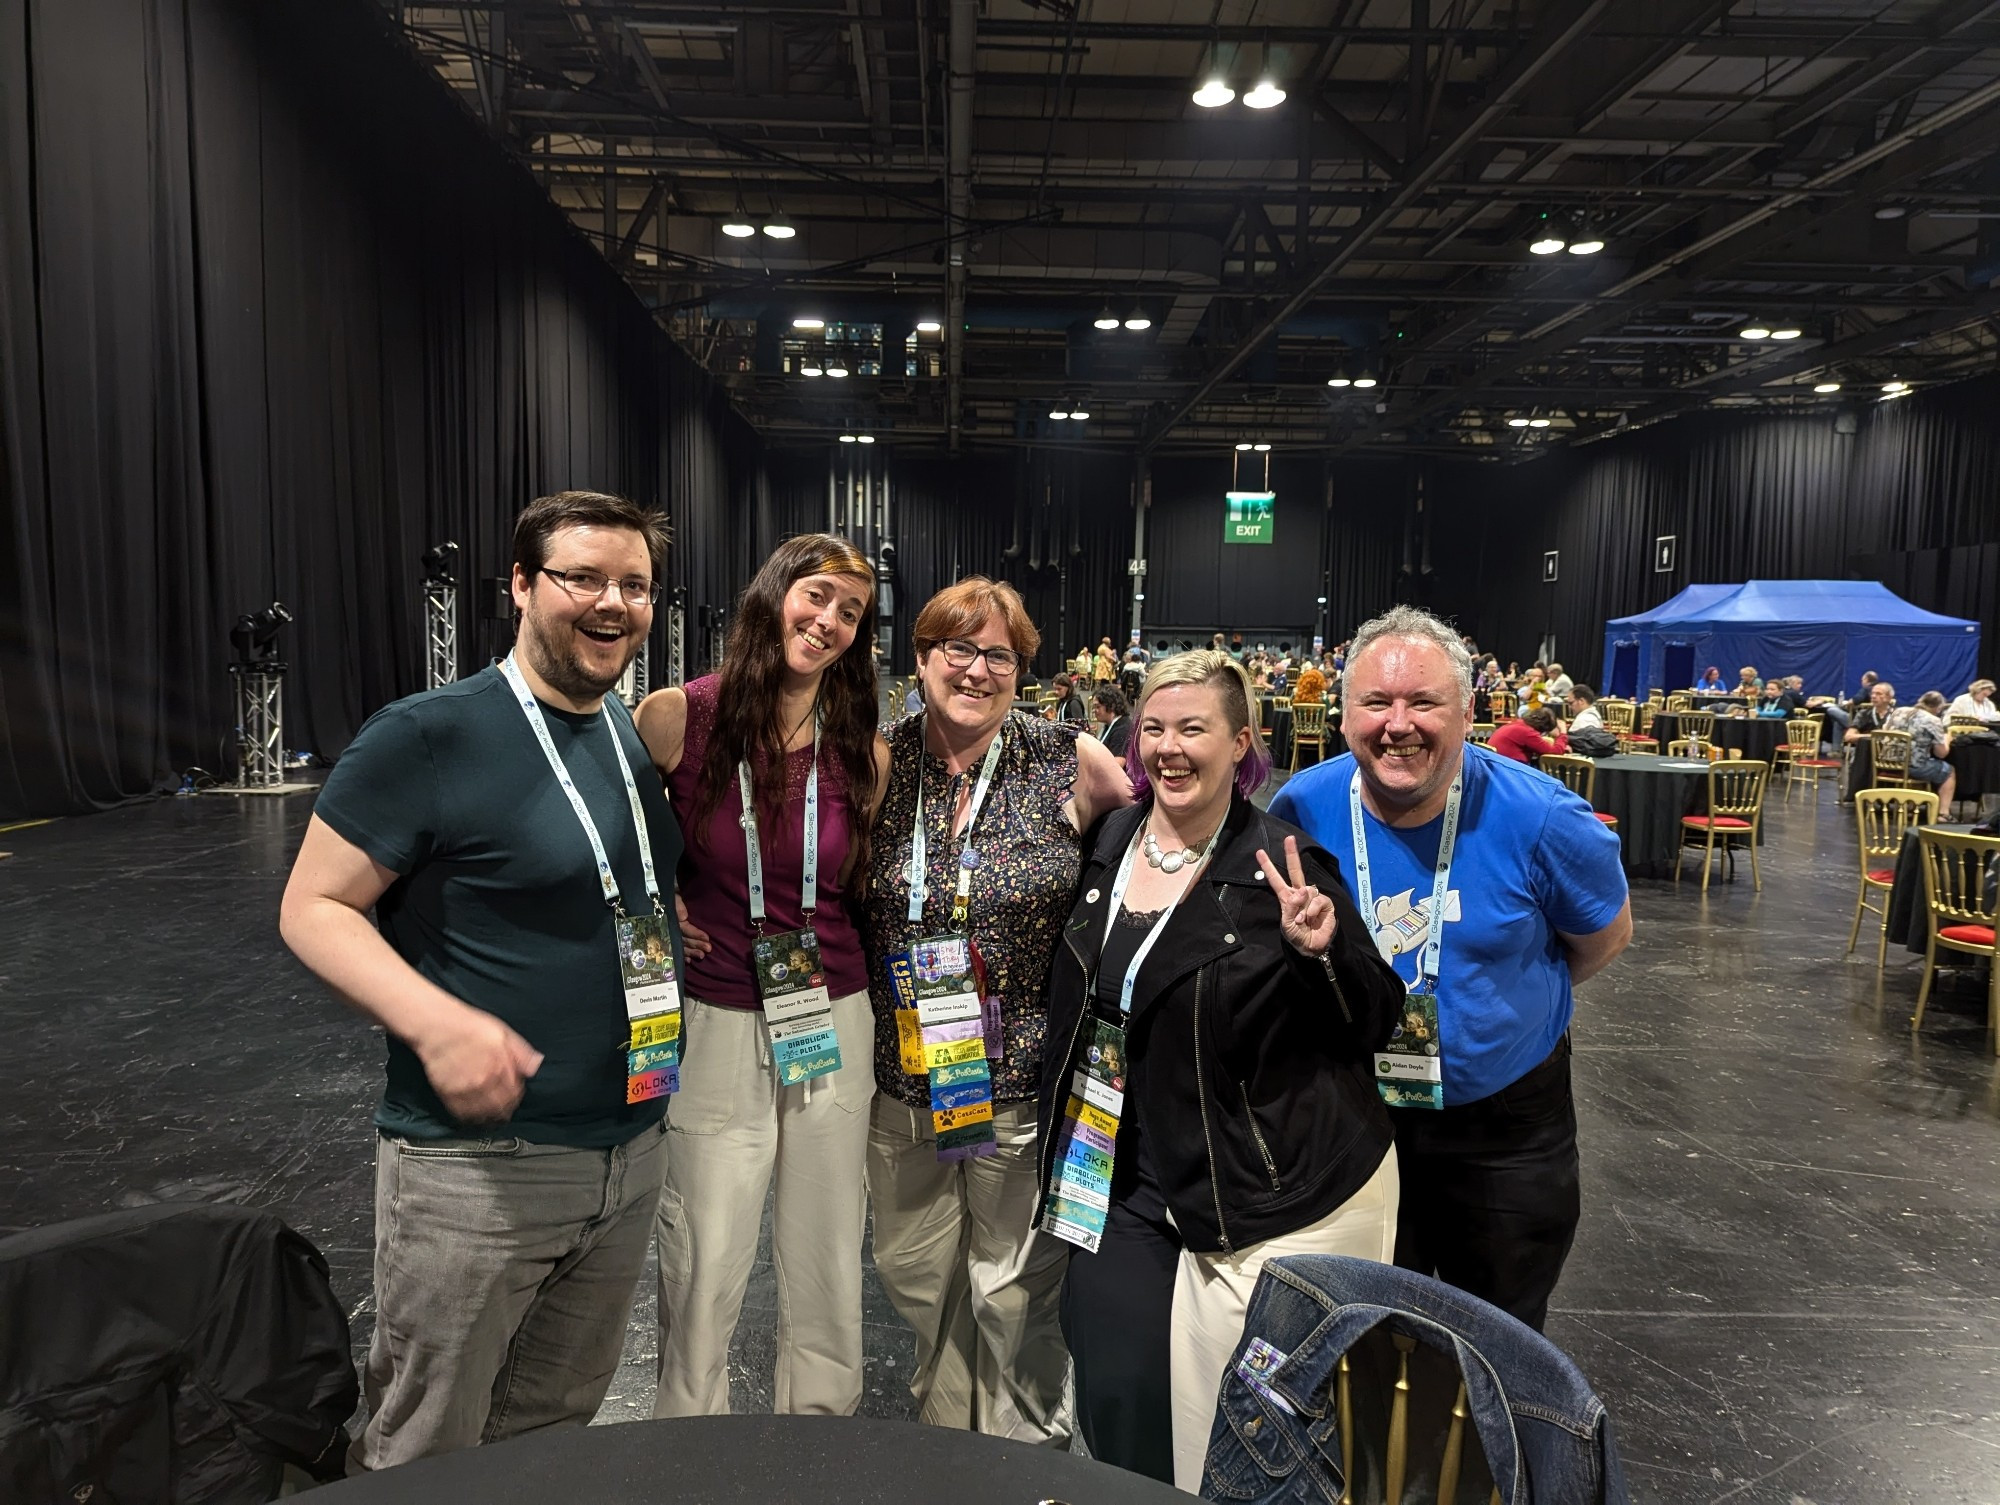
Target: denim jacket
1546 1436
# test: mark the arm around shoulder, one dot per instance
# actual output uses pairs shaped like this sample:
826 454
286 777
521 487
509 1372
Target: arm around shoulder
662 723
1101 785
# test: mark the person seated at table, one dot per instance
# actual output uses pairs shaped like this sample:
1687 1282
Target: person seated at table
1068 706
1583 713
1560 684
1977 701
1108 714
1795 693
1748 684
1711 681
1526 739
1311 688
1930 744
1874 716
1774 705
1535 688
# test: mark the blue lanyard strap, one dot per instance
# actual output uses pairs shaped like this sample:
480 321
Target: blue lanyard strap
753 855
1440 882
1159 926
526 699
967 859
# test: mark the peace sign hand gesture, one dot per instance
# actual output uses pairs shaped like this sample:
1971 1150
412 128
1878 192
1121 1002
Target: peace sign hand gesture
1305 913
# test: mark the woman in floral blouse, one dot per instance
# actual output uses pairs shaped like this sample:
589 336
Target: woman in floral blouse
954 1239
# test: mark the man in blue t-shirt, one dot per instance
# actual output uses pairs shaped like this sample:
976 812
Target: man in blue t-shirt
515 1183
1533 901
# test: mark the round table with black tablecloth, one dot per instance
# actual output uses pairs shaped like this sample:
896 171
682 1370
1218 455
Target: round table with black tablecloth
1909 912
774 1460
1978 763
1278 736
1649 795
1756 736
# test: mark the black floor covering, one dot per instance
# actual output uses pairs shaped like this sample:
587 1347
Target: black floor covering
1785 1285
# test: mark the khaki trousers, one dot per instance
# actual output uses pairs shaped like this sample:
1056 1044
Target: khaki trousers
1212 1296
731 1128
956 1248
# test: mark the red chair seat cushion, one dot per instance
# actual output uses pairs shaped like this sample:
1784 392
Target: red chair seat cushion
1972 935
1643 741
1609 820
1720 822
1881 875
1817 762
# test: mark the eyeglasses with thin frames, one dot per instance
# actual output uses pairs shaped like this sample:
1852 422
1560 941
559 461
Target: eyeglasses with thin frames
589 585
1001 663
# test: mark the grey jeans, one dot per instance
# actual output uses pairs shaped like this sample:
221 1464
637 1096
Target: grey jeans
504 1275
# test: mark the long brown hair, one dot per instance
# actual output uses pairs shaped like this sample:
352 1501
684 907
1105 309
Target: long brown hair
748 722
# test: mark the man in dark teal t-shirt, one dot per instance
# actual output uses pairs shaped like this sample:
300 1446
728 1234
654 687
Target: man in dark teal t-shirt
489 825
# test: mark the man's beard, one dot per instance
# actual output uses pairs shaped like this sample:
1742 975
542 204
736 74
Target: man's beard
552 652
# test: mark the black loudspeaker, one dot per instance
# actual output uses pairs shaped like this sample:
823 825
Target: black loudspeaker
496 599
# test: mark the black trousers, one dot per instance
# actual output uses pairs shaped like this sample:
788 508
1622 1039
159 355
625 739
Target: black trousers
1118 1317
1491 1196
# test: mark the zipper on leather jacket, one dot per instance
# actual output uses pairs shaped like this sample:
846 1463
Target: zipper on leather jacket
1069 1055
1263 1149
1201 1097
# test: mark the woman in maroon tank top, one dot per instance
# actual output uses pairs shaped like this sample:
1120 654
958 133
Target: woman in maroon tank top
774 1079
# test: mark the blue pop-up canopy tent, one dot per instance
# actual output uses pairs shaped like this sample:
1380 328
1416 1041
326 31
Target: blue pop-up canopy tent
1827 631
1628 641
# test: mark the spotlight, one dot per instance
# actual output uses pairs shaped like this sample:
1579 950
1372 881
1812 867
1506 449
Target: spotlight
738 229
1517 422
928 326
1825 387
441 562
864 438
1339 381
1105 320
808 321
255 635
1266 95
1786 333
848 439
1364 382
779 228
1214 94
1262 449
1891 211
1754 332
1243 447
1138 321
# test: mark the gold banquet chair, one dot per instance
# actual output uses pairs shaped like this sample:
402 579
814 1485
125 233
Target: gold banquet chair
1964 911
1735 811
1883 816
1308 725
1803 760
1579 776
1891 753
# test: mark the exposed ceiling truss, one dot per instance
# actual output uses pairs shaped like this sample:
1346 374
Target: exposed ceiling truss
1829 166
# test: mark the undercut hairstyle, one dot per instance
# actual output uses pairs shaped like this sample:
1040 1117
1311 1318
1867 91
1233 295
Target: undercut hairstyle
545 515
1421 626
748 722
1110 698
958 611
1231 682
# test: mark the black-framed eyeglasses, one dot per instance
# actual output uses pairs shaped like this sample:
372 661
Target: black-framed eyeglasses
1002 663
589 585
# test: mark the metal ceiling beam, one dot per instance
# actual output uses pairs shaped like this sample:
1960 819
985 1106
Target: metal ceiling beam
1564 24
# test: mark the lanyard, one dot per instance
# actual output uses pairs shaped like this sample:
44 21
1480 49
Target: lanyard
753 855
1440 884
1159 926
533 712
968 857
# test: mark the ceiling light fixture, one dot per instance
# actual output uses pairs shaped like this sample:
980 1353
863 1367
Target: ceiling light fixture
1754 332
1891 211
1538 423
808 321
847 439
928 326
1138 321
1262 449
810 366
836 367
1243 446
864 438
1078 415
779 228
1214 94
1265 96
1105 320
738 228
1895 388
1825 387
1517 422
1786 333
1364 382
1340 381
1544 239
1590 245
1059 412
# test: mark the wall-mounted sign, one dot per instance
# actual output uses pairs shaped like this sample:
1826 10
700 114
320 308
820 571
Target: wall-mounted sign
1251 516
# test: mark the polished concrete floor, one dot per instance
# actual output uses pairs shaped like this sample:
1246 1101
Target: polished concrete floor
1787 1284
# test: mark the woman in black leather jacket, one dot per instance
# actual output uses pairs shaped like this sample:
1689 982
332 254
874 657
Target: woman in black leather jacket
1239 1048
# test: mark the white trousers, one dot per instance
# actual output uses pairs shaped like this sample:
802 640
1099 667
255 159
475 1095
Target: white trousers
956 1249
1212 1296
730 1127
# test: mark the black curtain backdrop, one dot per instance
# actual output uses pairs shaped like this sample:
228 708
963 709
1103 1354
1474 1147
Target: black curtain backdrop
274 317
1911 499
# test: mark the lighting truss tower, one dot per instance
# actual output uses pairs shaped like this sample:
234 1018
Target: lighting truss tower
677 626
440 633
260 724
639 674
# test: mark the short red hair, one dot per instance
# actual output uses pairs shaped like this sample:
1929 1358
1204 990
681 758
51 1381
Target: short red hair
958 610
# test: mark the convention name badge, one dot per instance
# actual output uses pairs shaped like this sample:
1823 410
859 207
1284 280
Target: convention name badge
944 985
1409 1070
1079 1195
652 1008
909 1024
791 982
798 1009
